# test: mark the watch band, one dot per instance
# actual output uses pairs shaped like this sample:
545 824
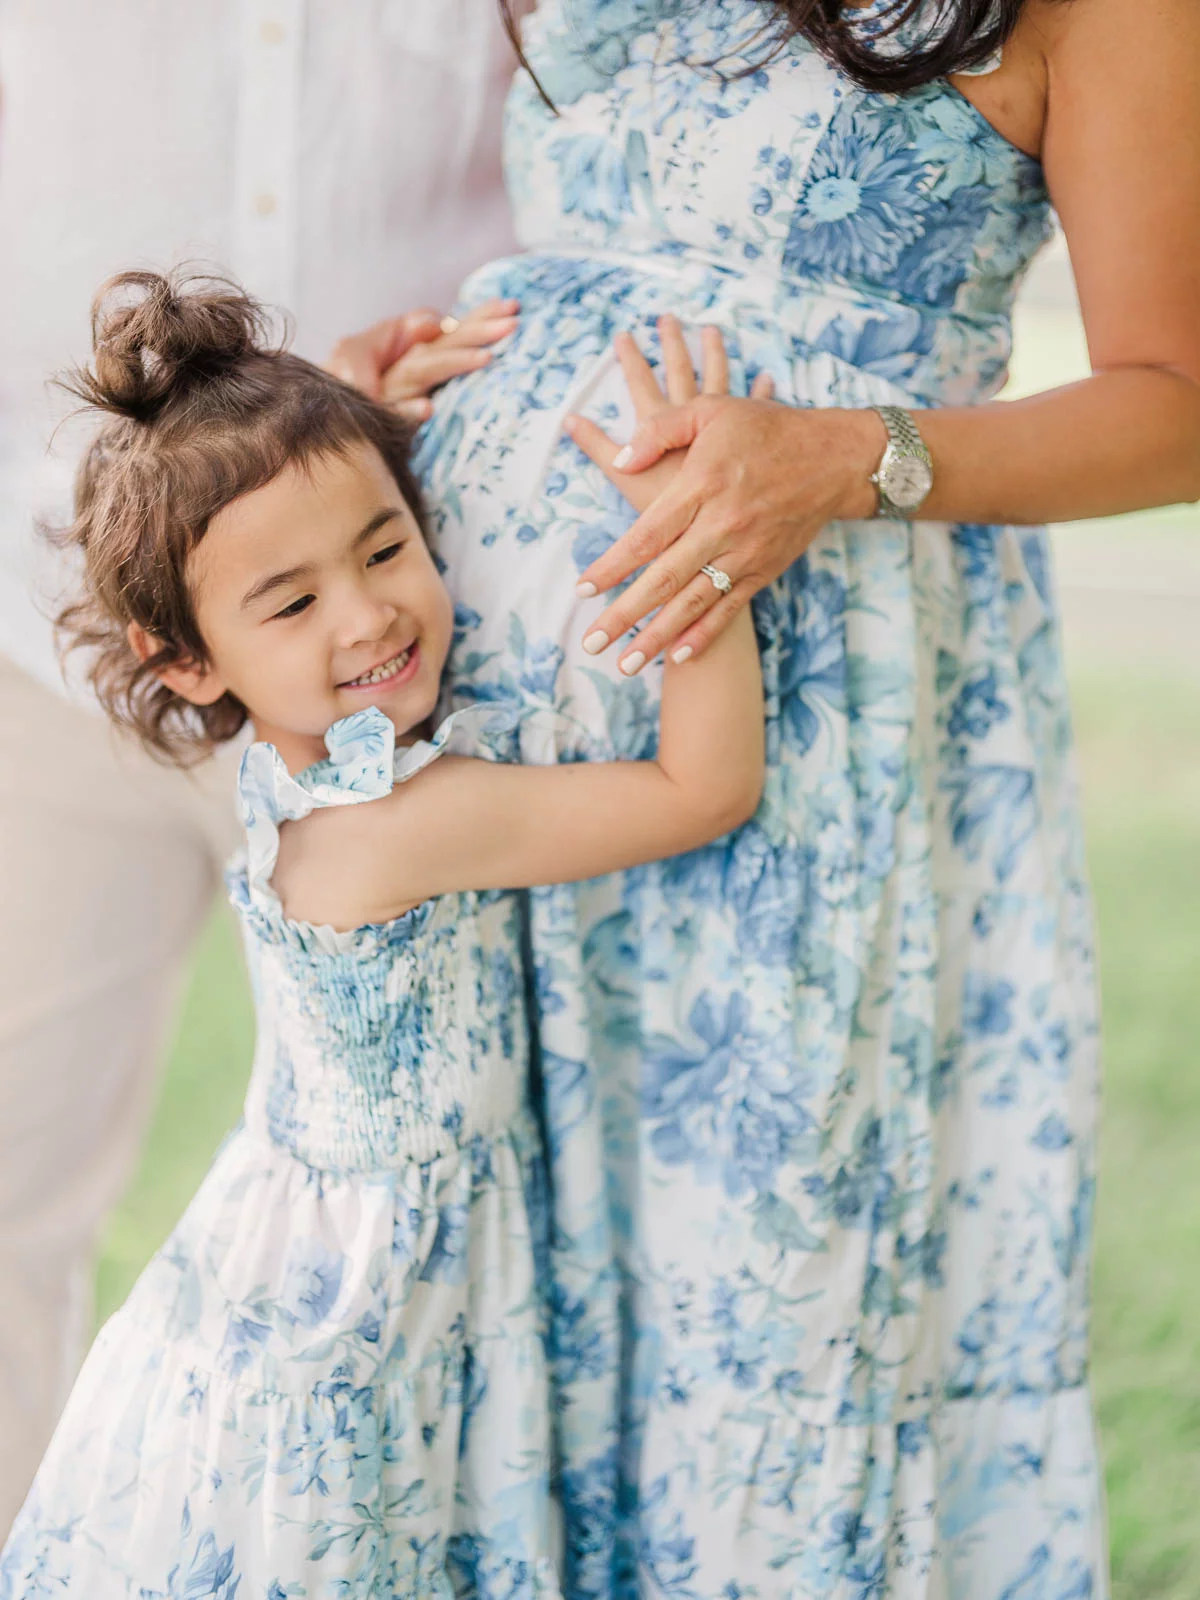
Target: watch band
904 439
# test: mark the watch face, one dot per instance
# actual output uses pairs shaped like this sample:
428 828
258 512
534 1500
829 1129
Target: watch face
906 481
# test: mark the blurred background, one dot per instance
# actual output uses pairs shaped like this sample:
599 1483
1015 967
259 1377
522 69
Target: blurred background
1130 592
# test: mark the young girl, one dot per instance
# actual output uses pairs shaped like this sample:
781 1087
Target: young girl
331 1380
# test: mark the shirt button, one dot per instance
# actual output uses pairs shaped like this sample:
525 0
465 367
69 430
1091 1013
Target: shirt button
271 32
264 204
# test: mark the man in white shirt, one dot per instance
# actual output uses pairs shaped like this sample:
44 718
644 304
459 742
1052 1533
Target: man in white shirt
340 158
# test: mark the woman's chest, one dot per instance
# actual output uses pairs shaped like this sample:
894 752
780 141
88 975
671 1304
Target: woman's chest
696 136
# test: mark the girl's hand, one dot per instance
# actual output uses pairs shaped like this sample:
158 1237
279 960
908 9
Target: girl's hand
758 484
404 359
650 401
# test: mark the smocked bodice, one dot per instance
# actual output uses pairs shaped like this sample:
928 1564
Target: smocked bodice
394 1042
886 231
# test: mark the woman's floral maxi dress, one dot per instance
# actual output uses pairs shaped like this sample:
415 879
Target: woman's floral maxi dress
820 1099
330 1383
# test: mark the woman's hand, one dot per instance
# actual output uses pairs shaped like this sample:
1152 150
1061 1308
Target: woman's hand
759 483
402 360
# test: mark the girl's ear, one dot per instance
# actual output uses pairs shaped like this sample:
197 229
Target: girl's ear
190 680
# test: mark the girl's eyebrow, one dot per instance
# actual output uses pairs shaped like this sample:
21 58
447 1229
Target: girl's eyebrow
277 580
379 520
281 580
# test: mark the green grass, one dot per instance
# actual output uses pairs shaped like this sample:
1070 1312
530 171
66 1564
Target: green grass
199 1102
1141 760
1142 771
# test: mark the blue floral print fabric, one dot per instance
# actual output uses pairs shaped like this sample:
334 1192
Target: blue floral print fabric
331 1381
820 1098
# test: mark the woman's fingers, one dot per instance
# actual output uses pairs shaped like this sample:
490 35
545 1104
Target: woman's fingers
678 371
695 600
715 371
666 576
763 387
695 640
654 531
673 428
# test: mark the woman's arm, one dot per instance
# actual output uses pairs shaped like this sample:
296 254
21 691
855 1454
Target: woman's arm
1121 152
468 824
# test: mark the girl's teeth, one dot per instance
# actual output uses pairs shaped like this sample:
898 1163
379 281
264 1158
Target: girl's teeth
387 670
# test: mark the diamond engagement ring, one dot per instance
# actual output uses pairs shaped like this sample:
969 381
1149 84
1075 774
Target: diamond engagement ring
721 581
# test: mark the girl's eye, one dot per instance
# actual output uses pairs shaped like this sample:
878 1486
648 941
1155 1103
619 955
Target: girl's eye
386 554
296 607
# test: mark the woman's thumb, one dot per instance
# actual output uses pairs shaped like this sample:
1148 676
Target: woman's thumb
673 429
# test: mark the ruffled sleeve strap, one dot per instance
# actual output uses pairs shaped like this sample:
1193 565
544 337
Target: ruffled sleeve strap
363 764
358 767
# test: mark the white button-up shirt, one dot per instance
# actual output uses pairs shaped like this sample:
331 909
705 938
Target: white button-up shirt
339 157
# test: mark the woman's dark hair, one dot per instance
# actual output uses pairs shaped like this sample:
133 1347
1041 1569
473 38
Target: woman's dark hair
203 405
961 34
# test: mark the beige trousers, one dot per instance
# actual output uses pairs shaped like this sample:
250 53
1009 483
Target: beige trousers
108 867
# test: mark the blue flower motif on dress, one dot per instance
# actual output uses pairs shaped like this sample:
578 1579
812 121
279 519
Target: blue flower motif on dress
725 1104
933 267
977 707
955 138
987 1006
889 346
863 201
312 1279
593 178
206 1572
812 668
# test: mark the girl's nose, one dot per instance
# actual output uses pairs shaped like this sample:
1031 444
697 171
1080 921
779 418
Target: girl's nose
364 617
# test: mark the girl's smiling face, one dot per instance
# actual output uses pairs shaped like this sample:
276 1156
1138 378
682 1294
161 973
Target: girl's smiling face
317 596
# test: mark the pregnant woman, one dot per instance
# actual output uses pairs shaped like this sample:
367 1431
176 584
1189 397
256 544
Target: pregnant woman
820 1099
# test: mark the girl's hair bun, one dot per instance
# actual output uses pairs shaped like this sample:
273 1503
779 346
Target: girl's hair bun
156 336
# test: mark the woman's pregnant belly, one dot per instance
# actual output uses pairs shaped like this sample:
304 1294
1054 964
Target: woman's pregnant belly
874 643
519 512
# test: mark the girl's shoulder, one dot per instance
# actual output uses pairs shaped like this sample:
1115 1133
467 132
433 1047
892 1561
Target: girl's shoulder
344 809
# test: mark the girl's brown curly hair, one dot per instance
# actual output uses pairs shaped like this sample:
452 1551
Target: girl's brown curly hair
203 405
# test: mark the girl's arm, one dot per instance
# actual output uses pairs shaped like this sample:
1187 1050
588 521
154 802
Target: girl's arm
469 824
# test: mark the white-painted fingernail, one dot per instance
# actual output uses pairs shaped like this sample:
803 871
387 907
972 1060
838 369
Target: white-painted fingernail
595 642
682 654
622 458
633 664
586 590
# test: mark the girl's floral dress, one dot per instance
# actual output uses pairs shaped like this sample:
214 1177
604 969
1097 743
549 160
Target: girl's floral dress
330 1383
819 1099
